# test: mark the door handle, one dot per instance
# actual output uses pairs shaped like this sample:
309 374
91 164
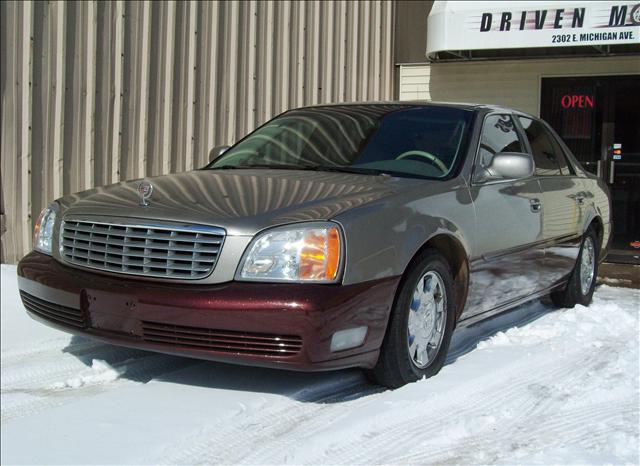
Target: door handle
535 205
612 171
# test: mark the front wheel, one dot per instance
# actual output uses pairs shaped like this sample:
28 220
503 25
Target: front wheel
582 283
420 326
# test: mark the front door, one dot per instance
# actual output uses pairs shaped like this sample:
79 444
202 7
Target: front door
598 117
509 239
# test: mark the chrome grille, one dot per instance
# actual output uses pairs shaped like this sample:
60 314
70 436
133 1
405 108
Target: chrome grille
164 251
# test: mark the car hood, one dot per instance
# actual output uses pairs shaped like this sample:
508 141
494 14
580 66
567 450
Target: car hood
240 201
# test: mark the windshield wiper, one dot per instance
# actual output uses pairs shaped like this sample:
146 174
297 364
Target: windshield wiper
263 165
347 169
317 168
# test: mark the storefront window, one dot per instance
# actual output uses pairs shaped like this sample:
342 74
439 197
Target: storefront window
574 108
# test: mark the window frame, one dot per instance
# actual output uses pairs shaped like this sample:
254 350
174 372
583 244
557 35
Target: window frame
523 140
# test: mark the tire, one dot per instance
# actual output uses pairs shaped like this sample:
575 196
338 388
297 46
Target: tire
433 310
576 291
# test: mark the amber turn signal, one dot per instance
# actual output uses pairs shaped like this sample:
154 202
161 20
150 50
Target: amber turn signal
320 254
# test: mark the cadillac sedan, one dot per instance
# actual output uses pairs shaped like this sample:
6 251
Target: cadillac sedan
333 236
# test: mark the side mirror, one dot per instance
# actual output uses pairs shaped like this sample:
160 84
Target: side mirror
217 152
509 166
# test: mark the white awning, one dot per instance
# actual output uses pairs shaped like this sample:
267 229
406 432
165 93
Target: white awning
456 26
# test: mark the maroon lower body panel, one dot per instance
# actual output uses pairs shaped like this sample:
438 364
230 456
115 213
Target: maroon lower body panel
287 326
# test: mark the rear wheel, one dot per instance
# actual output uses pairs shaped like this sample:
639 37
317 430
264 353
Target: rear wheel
421 324
582 283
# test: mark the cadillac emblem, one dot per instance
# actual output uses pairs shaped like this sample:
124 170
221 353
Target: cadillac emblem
145 189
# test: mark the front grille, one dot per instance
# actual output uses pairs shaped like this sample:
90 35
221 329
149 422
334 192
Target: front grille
54 312
258 344
151 250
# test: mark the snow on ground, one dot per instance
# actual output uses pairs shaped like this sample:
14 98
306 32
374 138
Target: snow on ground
537 385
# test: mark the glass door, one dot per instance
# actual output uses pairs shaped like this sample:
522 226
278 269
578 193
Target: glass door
623 166
599 119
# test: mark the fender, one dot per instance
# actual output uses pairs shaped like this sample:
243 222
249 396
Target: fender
383 237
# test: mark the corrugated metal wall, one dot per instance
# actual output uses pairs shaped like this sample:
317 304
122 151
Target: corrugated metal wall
98 92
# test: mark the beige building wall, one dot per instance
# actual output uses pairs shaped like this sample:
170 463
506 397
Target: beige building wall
513 83
414 82
98 92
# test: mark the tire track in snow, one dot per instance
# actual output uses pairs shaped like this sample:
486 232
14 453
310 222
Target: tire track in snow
293 422
476 405
546 430
226 442
274 444
15 354
475 413
43 368
53 379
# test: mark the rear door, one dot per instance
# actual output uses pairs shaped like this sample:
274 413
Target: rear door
509 251
562 200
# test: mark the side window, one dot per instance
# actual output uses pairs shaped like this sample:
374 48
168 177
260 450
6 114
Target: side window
565 167
498 135
562 160
547 153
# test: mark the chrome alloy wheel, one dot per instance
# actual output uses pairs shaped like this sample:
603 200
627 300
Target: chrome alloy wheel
587 265
427 318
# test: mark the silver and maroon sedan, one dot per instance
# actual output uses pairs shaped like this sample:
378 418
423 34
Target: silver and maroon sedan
333 236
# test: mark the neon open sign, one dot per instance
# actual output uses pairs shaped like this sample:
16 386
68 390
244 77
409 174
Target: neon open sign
576 101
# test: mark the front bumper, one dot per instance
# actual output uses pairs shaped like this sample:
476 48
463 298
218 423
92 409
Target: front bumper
287 326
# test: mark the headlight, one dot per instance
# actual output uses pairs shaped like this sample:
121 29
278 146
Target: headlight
43 230
309 252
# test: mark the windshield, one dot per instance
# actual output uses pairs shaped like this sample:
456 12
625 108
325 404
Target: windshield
399 140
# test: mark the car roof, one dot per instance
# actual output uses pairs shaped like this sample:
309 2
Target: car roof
423 103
